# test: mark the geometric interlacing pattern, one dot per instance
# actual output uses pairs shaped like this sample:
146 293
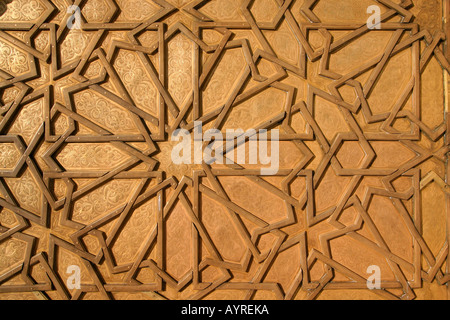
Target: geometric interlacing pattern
86 177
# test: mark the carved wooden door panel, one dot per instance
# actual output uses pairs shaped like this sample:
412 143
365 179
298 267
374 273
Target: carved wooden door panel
353 93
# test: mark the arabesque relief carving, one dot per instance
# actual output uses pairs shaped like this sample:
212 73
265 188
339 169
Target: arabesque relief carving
92 91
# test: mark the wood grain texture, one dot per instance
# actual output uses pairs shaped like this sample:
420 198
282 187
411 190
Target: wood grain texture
86 176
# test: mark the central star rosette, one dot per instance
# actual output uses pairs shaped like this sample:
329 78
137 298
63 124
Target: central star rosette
213 147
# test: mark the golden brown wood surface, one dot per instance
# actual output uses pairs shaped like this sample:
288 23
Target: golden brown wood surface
87 179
